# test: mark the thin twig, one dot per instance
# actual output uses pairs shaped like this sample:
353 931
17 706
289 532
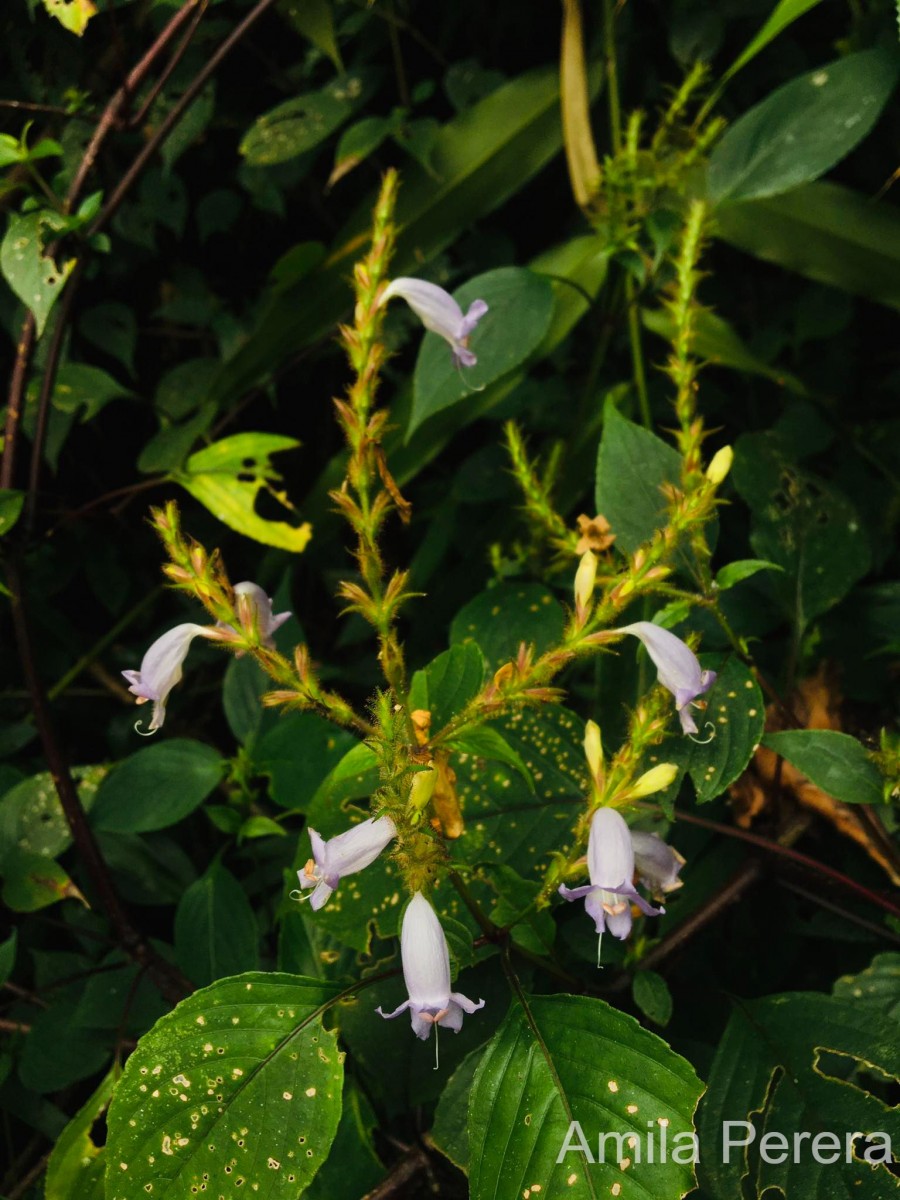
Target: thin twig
16 400
166 73
173 116
402 1173
170 981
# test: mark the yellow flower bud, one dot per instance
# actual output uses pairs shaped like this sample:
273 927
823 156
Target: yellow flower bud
422 789
585 577
720 465
657 779
593 748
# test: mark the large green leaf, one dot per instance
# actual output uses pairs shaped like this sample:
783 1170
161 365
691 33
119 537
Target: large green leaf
823 231
835 762
877 986
157 787
227 478
479 160
782 1064
804 128
238 1087
216 931
520 308
563 1059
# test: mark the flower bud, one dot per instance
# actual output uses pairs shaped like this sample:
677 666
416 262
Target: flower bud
422 789
657 779
720 465
585 578
593 749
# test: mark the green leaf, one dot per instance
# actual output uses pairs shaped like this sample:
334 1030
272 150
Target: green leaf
878 986
301 124
782 1063
353 778
500 619
315 20
31 816
652 996
486 742
799 522
238 1087
157 787
34 881
734 720
228 476
782 15
520 309
835 762
76 1165
297 754
191 125
257 827
11 502
633 464
736 572
112 327
804 128
357 142
559 1059
245 681
448 683
89 389
216 933
34 278
60 1050
148 869
825 232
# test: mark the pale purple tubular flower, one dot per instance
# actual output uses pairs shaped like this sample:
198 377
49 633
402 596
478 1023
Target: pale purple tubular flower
677 666
439 312
348 852
611 892
657 864
160 669
426 972
269 622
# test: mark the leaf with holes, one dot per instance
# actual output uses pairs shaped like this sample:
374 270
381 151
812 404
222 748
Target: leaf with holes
802 524
76 1165
35 278
301 124
31 816
238 1087
790 1063
227 478
561 1059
